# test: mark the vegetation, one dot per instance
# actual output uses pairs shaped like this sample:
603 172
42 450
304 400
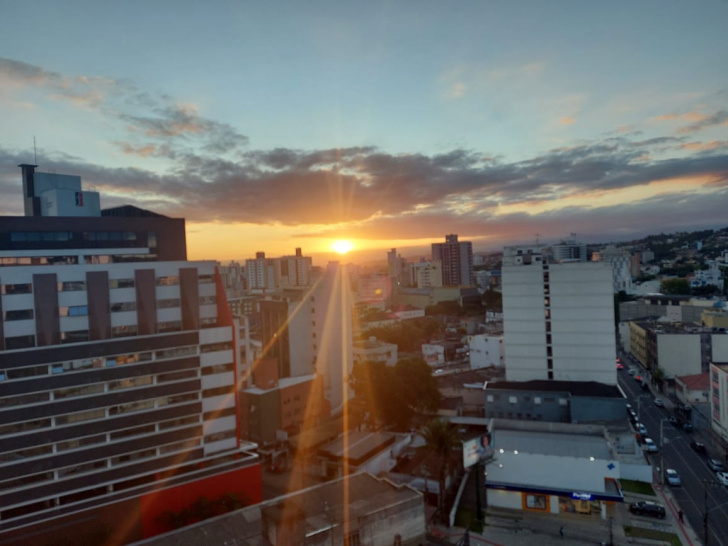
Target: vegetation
202 509
441 438
641 488
675 286
493 300
658 376
640 532
394 394
451 307
408 335
466 518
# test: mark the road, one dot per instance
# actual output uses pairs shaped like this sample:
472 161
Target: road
679 456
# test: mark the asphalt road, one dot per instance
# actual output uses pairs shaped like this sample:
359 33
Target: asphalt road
678 455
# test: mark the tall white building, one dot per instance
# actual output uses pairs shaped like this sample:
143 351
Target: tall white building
569 250
260 273
425 274
620 261
558 318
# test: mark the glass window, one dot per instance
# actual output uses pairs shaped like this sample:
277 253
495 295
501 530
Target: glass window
81 468
169 326
218 414
176 352
102 235
123 306
203 279
166 304
152 239
136 431
115 236
23 399
207 300
76 336
48 236
180 446
71 286
221 368
218 436
80 442
73 311
130 383
132 407
212 347
20 314
80 416
17 428
177 399
169 280
176 376
208 322
72 392
19 342
121 283
32 371
129 457
217 391
123 331
64 236
18 236
33 236
183 421
9 289
129 236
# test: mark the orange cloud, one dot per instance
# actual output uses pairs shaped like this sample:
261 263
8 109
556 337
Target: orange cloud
702 146
567 120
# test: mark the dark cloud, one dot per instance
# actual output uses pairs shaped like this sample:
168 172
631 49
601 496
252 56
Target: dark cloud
718 118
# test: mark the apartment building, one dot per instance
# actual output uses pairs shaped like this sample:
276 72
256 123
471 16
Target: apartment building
457 261
117 373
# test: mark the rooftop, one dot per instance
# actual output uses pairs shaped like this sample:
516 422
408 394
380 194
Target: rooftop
372 343
576 388
698 381
357 446
552 443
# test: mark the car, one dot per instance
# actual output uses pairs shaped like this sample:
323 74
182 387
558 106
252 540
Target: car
688 427
715 465
659 403
619 360
629 407
633 417
633 372
642 429
638 378
673 478
620 366
674 422
647 508
651 445
645 387
697 447
722 477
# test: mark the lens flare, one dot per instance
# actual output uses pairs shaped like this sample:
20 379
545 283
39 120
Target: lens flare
342 246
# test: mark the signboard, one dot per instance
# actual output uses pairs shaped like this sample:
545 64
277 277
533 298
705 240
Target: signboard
478 450
582 496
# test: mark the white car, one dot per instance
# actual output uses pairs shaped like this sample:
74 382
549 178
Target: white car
722 477
673 478
642 429
651 446
659 403
633 372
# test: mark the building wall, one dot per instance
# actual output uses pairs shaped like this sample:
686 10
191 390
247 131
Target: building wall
505 499
486 351
406 519
679 354
592 408
433 354
719 349
553 407
719 400
638 342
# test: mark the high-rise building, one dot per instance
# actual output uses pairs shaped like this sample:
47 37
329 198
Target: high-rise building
260 273
292 271
457 261
310 331
117 374
424 274
569 250
620 261
558 318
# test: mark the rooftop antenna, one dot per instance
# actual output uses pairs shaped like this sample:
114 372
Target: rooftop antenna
537 235
35 153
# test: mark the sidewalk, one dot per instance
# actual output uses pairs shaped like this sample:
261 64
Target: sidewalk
683 529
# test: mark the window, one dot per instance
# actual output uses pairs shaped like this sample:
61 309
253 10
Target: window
563 402
489 398
178 352
169 326
220 368
170 280
136 431
20 373
549 400
129 457
20 314
537 400
218 414
219 436
123 331
174 423
176 376
130 383
550 375
80 442
121 283
180 446
208 300
9 289
72 392
206 279
217 391
168 303
75 336
81 468
19 342
71 286
123 306
177 399
130 408
73 311
513 399
212 347
23 399
80 416
152 239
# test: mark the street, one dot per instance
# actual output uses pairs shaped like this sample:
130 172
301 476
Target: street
678 455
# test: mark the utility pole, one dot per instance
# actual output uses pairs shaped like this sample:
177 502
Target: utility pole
611 534
478 485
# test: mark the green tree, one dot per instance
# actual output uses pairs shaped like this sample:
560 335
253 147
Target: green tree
493 300
441 439
675 286
658 376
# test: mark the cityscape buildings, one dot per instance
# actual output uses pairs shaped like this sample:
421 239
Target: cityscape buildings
457 261
118 368
558 318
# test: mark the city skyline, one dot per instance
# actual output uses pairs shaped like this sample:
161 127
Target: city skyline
385 125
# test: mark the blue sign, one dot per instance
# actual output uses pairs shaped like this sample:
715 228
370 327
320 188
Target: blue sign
581 496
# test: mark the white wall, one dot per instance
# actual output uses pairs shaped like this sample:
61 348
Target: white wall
486 351
638 472
505 499
679 354
720 348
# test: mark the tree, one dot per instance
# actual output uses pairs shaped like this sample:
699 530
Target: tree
394 394
675 286
441 438
493 300
658 376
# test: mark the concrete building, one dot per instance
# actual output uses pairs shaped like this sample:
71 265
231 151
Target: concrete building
647 256
714 318
424 274
397 268
358 509
233 280
558 318
424 297
117 376
373 350
693 389
260 273
620 260
292 271
569 250
685 309
554 401
708 277
373 288
486 351
358 451
676 348
550 468
457 261
719 399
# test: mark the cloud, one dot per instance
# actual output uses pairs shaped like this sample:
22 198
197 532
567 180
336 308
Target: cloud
567 120
703 122
705 146
149 116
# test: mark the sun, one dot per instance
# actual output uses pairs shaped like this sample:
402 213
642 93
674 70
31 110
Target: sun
341 246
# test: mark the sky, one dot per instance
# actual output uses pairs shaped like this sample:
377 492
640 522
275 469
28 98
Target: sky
276 125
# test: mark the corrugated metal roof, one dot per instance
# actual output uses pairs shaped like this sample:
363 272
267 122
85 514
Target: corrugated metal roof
548 443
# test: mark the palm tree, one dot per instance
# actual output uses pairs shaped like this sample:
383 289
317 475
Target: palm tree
658 376
441 438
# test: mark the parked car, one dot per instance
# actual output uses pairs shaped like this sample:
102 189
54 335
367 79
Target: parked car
638 378
674 422
645 386
715 465
629 407
620 366
722 477
659 403
633 372
698 447
651 445
673 478
688 427
647 508
642 429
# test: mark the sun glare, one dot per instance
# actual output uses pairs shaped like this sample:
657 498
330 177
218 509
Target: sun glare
341 246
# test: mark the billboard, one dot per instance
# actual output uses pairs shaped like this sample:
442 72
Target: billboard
478 450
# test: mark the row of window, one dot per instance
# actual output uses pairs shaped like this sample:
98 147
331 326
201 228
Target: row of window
72 286
75 259
536 399
113 360
46 236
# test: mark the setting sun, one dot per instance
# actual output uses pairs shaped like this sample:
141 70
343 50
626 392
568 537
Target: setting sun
342 247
